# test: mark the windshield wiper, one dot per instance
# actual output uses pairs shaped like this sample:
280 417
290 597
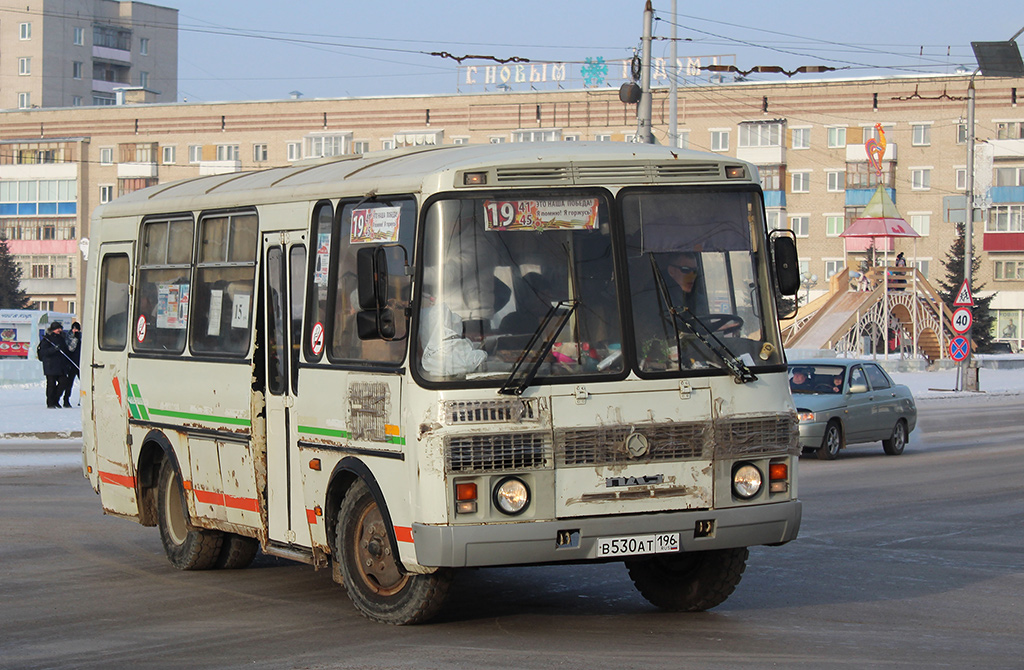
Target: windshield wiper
701 331
532 356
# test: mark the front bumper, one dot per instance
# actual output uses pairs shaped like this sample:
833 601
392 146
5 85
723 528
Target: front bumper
537 541
811 434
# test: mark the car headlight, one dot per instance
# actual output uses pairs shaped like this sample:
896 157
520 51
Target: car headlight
804 416
512 495
746 481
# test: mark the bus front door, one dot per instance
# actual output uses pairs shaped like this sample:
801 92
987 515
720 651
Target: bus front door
105 376
284 272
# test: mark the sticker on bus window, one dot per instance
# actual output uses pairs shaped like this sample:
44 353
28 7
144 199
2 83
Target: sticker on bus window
240 311
172 306
376 225
557 214
323 259
216 306
316 338
140 329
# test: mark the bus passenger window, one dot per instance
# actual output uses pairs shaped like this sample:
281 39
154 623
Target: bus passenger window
113 297
225 281
164 287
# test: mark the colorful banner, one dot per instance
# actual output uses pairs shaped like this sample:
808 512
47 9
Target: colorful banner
377 225
16 349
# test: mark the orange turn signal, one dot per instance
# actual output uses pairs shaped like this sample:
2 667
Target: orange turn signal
465 491
314 464
777 471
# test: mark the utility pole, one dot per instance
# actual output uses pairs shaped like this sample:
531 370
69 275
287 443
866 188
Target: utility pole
673 75
645 133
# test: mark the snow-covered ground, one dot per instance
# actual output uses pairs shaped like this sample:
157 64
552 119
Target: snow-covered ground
23 407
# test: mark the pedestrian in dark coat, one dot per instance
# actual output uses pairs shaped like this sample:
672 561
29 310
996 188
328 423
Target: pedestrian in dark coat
53 352
74 342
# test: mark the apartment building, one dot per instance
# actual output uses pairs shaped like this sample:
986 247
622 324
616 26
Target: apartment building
70 53
807 138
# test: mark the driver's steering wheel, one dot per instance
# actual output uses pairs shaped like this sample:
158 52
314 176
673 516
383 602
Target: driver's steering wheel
727 324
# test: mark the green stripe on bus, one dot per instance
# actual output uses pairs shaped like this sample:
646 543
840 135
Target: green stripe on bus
133 410
326 432
200 417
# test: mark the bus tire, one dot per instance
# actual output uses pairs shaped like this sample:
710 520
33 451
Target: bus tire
237 551
376 583
690 581
187 547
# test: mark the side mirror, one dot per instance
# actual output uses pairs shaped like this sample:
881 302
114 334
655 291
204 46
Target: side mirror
372 271
379 299
787 267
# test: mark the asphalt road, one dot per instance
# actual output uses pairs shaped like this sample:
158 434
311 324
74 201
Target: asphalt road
915 561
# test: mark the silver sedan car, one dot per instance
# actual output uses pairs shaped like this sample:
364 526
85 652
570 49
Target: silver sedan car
842 402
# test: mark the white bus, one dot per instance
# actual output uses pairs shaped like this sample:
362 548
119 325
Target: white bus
399 364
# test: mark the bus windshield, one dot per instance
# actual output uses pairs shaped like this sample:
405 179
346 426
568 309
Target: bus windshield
696 284
493 268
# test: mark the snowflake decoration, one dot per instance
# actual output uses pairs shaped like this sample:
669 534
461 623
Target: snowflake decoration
594 72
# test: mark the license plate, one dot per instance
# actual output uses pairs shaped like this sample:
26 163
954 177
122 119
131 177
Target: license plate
660 543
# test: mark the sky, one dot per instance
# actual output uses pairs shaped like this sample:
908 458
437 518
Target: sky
245 50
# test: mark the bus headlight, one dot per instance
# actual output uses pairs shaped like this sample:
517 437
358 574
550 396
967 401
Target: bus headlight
512 496
746 481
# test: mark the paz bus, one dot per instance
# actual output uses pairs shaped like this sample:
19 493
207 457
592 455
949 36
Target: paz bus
398 364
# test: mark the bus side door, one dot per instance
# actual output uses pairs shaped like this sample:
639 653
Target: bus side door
284 276
108 399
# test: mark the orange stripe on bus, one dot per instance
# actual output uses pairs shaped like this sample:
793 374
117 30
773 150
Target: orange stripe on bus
120 480
223 500
403 533
311 516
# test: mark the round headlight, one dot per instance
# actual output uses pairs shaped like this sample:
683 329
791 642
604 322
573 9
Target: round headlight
512 495
746 481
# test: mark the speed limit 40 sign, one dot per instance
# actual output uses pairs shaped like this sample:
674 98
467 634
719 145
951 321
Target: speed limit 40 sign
962 320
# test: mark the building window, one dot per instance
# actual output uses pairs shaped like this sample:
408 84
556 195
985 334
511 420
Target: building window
683 139
79 37
1010 130
389 144
498 139
112 37
144 79
465 140
961 179
1009 176
871 133
144 46
760 135
800 225
537 135
24 66
920 179
169 155
106 194
836 138
863 175
1005 219
832 267
294 151
259 153
922 223
801 182
104 100
25 31
76 101
130 185
774 219
107 156
772 177
835 181
1009 270
227 152
360 147
320 146
921 135
195 153
961 133
801 138
719 140
834 224
922 266
76 69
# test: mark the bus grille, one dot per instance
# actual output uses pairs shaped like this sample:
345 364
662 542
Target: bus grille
687 171
749 435
606 446
531 174
488 411
507 451
600 174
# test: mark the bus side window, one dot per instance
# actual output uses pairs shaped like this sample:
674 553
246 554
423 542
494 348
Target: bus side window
225 280
113 299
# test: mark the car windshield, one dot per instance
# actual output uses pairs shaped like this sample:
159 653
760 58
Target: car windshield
695 280
809 378
495 267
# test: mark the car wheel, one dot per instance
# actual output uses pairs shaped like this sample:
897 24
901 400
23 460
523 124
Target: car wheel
831 442
895 444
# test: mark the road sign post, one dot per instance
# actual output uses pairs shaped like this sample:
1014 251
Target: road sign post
963 320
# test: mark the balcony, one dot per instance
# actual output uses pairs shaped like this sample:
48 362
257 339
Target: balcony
112 55
762 155
219 167
856 153
1007 148
136 170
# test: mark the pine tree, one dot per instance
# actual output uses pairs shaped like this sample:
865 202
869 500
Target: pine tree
11 294
949 287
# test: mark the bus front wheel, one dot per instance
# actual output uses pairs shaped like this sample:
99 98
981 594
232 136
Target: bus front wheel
691 581
378 586
187 547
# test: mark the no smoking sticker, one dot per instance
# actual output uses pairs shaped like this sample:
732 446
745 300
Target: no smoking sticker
140 328
316 338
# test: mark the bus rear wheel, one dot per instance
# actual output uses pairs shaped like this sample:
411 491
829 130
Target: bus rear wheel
237 551
691 581
187 547
377 584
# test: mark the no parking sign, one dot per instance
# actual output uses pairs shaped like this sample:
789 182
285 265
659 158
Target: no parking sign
959 347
